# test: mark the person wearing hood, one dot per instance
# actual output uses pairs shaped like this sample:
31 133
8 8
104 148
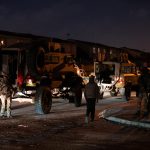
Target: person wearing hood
91 93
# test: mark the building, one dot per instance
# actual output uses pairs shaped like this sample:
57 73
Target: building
85 53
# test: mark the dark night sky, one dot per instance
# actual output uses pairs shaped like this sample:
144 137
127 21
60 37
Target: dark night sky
119 23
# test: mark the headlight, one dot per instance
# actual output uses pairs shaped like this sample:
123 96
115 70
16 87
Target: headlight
29 82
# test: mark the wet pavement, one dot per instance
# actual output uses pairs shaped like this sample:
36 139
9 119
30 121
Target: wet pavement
64 127
125 114
118 110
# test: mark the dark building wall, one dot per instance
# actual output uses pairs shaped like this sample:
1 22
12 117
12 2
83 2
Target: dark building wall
84 52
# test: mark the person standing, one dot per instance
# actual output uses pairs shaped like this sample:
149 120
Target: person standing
144 87
91 93
6 91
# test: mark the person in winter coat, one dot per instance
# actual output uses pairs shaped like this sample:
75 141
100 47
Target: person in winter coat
91 93
144 89
6 91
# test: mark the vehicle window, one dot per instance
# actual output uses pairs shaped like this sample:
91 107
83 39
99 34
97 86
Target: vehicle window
110 68
128 69
69 59
52 59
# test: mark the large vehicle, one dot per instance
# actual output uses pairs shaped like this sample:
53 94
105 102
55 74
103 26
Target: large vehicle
66 76
117 78
36 72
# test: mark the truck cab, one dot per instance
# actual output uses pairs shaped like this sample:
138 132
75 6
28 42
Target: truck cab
118 78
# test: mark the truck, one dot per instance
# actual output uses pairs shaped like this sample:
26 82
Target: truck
116 78
66 76
37 72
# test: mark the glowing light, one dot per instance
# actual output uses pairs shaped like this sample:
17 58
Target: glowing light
2 42
30 83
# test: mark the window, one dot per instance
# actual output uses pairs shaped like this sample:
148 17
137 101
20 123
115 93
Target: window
52 59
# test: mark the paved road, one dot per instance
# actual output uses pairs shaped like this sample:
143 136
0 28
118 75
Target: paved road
64 128
60 107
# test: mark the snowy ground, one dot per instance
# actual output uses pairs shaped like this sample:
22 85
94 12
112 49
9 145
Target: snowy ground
64 128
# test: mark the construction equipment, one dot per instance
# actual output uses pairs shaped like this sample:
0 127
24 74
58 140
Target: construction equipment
66 76
36 72
116 78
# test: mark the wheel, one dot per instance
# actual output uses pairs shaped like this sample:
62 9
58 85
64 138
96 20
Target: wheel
128 93
123 94
128 87
78 97
113 93
43 100
101 95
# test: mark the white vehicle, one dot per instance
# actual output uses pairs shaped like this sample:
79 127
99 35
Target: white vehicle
121 78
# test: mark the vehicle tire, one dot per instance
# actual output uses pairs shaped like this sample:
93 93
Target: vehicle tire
35 61
128 88
113 93
43 100
123 94
101 95
127 94
78 97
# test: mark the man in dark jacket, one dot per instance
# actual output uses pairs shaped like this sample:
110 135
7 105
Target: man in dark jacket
144 89
91 95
